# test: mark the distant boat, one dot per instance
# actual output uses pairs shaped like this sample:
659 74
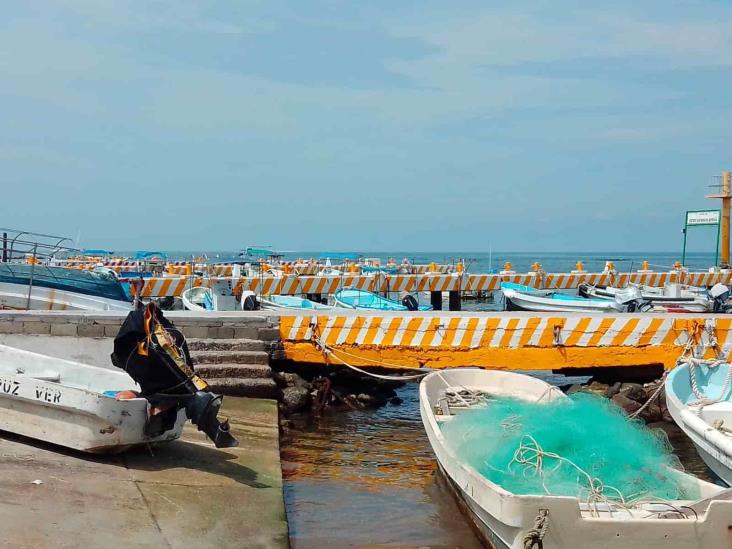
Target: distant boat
370 269
292 302
39 287
709 426
508 520
64 403
351 298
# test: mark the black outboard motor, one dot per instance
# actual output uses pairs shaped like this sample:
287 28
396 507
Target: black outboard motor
154 353
410 302
249 301
719 294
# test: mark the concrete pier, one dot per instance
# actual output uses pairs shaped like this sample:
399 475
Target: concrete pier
188 494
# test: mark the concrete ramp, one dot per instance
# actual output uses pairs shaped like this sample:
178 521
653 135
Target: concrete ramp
189 494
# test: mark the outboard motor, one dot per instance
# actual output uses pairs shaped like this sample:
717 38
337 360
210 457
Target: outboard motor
155 354
410 302
632 300
249 301
719 294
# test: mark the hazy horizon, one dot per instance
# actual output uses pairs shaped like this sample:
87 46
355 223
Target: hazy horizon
336 125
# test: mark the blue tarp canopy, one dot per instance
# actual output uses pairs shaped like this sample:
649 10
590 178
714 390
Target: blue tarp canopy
143 254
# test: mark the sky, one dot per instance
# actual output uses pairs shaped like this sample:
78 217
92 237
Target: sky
380 125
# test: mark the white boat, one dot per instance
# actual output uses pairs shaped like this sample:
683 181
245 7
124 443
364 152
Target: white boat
218 297
510 521
63 402
556 302
277 302
671 298
703 410
39 287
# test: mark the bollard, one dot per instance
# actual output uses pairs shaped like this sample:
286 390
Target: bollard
454 302
436 300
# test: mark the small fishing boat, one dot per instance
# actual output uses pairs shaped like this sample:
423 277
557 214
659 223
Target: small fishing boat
556 302
277 302
376 269
509 520
699 398
66 403
40 287
218 297
352 298
672 298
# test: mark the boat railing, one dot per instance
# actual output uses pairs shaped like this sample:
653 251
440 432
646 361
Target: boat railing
30 247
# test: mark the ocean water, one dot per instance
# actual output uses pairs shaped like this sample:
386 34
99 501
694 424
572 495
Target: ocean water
493 262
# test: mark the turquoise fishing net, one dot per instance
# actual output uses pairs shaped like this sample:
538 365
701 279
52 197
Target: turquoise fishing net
582 446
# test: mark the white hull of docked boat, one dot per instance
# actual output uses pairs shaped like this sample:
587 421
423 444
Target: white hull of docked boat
62 402
506 520
15 296
703 410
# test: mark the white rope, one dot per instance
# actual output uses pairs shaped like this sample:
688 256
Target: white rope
328 352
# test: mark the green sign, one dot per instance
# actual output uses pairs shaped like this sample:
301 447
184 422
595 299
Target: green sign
702 218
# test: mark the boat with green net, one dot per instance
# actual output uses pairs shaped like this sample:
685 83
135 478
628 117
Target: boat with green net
533 467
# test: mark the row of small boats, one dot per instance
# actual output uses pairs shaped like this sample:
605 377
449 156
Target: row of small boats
218 297
672 298
697 514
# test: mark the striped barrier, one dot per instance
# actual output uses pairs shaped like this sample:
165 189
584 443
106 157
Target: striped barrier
293 284
512 341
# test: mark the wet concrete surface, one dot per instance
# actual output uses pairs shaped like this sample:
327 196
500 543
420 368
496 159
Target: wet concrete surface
188 494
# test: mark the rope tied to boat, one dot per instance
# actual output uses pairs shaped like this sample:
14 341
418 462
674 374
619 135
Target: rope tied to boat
693 358
329 353
535 536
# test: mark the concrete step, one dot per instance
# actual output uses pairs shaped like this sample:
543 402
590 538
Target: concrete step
252 388
210 372
226 345
230 357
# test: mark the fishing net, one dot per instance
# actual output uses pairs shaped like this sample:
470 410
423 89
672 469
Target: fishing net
582 446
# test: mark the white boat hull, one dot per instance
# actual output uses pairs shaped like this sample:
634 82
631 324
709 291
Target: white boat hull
61 402
15 296
713 446
504 519
527 302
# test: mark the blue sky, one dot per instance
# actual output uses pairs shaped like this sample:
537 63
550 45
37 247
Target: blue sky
373 126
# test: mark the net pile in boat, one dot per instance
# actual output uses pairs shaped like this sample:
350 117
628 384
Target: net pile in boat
582 446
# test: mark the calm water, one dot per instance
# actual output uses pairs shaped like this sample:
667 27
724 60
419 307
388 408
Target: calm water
493 262
368 478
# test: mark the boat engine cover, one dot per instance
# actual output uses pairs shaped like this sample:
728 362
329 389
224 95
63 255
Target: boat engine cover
628 295
718 291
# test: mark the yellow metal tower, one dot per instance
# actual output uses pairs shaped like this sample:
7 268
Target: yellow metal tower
726 196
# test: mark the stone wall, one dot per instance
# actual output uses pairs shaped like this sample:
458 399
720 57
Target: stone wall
194 326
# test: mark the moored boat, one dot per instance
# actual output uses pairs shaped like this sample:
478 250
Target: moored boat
40 287
352 298
556 302
64 402
699 398
512 520
277 302
672 298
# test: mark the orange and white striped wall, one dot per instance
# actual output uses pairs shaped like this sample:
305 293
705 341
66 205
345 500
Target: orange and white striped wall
294 284
528 341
